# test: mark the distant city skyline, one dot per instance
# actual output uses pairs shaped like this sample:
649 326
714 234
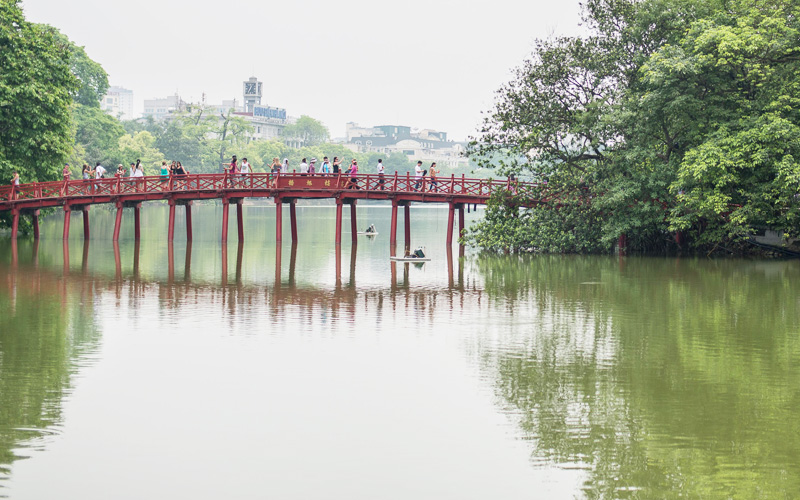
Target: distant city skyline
421 64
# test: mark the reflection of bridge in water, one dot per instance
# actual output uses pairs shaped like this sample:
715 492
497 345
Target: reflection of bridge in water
401 191
283 291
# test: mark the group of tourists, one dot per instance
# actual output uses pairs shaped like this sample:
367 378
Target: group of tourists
237 171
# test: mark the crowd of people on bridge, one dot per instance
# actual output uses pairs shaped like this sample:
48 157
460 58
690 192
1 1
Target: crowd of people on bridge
237 172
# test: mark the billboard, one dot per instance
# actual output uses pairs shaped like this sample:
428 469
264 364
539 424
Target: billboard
269 112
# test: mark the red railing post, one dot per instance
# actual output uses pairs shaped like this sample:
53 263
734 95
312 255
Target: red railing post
452 182
394 188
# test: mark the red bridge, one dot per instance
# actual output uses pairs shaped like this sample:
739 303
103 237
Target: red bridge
79 195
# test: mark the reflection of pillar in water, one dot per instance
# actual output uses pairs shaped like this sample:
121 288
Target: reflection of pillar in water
187 263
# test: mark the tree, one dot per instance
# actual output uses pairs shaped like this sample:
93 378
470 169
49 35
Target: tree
309 131
92 77
97 136
141 146
36 86
671 115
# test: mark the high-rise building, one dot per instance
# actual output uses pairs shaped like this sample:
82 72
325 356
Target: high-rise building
118 102
160 108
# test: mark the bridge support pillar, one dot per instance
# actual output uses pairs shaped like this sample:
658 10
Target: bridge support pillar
137 232
240 220
461 224
338 234
171 224
85 210
278 220
14 223
393 227
117 223
353 222
622 244
188 207
293 219
407 213
35 220
450 217
225 206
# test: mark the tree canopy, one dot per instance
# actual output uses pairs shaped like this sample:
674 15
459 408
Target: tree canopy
669 115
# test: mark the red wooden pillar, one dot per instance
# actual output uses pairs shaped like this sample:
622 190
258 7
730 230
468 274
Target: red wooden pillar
293 219
240 220
461 224
171 225
85 210
622 243
14 223
338 235
67 214
278 220
393 227
450 216
35 219
188 220
407 213
225 205
137 232
117 223
353 222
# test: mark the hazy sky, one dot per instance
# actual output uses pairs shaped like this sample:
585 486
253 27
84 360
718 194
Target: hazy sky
421 63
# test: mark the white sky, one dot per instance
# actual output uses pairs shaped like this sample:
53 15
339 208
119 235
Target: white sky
420 63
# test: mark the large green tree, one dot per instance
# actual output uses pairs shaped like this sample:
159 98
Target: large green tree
308 130
670 115
36 89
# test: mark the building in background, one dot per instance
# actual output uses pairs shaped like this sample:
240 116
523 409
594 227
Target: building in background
118 102
425 145
159 109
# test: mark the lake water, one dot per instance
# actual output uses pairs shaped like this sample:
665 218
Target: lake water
310 373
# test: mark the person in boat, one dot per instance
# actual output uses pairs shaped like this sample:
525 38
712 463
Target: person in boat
371 229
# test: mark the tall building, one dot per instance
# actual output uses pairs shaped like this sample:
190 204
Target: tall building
118 102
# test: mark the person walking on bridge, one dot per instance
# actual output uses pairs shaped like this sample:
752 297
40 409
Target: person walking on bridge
275 170
353 171
381 180
65 172
285 166
418 175
433 172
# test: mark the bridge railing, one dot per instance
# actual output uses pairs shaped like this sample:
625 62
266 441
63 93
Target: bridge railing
115 186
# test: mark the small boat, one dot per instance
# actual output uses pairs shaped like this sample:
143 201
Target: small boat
410 259
417 255
370 231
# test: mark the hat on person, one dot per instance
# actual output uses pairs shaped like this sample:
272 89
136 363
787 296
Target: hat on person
313 160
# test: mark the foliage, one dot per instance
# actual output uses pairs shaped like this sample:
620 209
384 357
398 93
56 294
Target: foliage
140 146
672 114
92 78
97 136
310 131
36 85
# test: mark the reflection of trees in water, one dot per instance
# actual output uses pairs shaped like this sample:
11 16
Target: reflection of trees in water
662 378
46 332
